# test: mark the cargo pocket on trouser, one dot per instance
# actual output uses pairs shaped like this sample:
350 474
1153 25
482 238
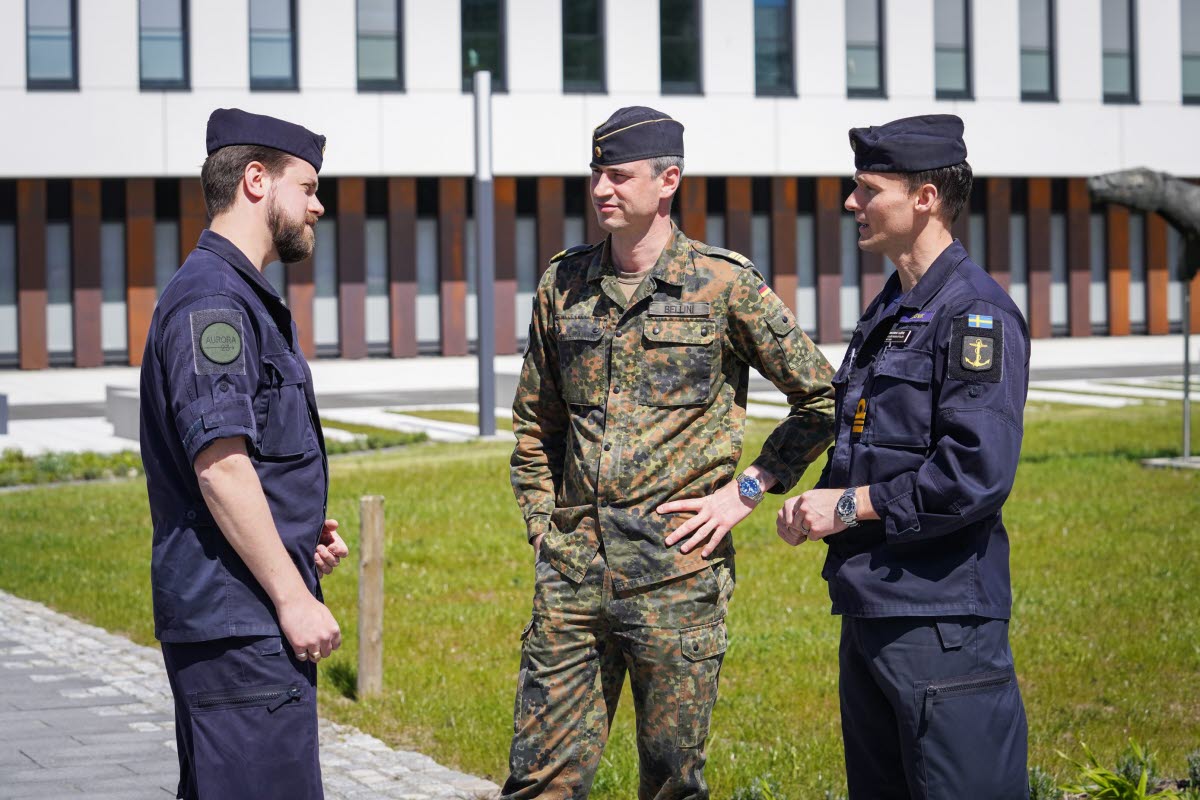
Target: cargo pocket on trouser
973 738
703 649
256 742
518 706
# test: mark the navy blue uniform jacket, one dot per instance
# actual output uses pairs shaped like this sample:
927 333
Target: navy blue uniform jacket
930 405
222 361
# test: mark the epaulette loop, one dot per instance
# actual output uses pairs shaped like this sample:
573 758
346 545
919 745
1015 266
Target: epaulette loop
571 251
729 255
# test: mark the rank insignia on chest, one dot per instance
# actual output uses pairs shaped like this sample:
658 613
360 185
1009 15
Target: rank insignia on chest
973 355
896 337
920 318
860 418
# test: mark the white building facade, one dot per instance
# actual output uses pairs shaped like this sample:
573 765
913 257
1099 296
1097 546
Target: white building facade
104 105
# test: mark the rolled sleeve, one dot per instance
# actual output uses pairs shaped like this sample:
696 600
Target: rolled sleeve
971 467
210 359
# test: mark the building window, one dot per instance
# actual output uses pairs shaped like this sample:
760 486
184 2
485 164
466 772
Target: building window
1120 54
952 49
1190 10
483 42
774 68
679 46
864 49
51 44
1037 50
273 44
163 45
380 57
583 45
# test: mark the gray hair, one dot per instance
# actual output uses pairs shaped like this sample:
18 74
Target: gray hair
659 165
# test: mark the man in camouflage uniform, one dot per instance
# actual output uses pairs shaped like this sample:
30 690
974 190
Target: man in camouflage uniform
629 419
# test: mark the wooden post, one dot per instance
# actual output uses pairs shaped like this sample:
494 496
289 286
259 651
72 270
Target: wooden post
370 597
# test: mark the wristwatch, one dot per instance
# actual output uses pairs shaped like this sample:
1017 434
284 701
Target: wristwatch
847 507
749 488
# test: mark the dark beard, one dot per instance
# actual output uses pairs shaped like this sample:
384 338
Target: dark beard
288 236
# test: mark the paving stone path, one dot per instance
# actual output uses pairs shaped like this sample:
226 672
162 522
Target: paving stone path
85 713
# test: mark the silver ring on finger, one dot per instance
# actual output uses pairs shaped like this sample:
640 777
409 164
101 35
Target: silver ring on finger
301 656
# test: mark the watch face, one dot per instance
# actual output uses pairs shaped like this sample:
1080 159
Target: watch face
845 506
749 487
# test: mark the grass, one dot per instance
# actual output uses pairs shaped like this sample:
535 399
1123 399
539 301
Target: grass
1105 566
457 416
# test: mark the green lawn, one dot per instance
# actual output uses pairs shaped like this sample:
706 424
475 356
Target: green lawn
1105 563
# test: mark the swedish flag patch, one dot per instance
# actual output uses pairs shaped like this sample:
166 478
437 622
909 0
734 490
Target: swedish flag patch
979 321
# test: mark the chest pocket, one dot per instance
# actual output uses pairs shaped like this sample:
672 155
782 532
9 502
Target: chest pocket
582 361
680 357
285 431
900 410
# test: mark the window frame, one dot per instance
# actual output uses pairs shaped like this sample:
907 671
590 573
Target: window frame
276 84
680 91
1051 95
381 84
185 83
1131 97
602 87
881 92
790 90
501 54
1186 99
969 55
55 84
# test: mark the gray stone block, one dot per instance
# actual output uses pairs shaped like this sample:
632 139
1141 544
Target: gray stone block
122 407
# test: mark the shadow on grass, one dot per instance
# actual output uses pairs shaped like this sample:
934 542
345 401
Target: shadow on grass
1122 452
343 677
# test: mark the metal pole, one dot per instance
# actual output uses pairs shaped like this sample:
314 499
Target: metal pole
485 250
1187 368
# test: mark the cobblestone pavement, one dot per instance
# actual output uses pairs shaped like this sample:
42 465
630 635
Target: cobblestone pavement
85 713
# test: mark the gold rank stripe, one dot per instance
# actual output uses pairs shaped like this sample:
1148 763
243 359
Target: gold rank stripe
627 127
860 417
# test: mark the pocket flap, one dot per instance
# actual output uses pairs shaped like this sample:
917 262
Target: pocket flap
703 641
680 331
782 324
582 329
913 366
287 366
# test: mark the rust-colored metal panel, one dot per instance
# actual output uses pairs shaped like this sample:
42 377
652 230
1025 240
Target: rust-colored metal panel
1037 256
505 196
591 225
549 220
352 266
829 264
693 207
140 291
85 271
738 213
452 266
33 352
999 214
784 264
300 293
193 217
1157 275
1079 258
402 266
870 277
1117 256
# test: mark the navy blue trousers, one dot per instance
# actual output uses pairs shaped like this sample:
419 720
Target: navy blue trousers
245 720
931 710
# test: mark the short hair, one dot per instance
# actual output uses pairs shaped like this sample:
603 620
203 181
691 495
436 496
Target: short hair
659 164
221 175
953 184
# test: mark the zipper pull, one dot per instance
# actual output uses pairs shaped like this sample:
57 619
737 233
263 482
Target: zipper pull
285 698
930 693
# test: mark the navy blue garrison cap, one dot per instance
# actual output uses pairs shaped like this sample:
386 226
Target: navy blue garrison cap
635 133
912 144
229 126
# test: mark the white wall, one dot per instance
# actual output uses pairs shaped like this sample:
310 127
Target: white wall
111 128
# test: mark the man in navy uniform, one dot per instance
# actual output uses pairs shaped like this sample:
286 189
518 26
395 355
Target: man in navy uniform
237 477
930 399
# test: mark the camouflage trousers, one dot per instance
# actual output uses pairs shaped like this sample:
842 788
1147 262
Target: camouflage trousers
581 641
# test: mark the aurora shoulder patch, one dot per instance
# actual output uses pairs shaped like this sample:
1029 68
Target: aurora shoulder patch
218 342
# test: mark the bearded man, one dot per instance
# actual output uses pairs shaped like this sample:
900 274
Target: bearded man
237 477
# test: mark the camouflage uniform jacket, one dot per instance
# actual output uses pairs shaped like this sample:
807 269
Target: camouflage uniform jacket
623 406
